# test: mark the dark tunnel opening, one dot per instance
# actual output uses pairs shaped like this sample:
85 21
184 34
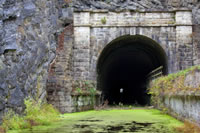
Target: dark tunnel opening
123 67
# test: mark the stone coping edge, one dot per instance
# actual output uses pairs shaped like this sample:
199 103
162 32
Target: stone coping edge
98 26
183 94
140 11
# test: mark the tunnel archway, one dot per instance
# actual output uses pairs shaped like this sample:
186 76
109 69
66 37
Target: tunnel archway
123 66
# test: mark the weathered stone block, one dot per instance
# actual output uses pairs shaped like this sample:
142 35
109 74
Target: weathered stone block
82 41
183 17
82 19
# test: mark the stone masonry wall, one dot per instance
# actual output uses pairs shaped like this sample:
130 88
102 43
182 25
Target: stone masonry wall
59 83
172 30
84 102
149 5
184 107
186 104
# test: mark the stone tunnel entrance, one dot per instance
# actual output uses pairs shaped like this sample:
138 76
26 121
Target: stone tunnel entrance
126 61
123 67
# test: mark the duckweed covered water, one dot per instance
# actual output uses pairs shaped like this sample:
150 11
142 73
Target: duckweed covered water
111 121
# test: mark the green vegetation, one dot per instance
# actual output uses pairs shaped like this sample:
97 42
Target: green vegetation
35 114
103 20
111 120
170 84
171 22
84 87
79 91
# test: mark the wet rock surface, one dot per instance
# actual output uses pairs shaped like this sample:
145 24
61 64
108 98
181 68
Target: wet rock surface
27 46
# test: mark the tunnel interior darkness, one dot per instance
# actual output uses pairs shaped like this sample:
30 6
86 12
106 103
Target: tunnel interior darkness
123 67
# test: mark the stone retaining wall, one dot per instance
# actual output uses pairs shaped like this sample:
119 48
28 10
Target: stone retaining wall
83 102
184 106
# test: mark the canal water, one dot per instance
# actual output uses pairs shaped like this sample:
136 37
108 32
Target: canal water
111 121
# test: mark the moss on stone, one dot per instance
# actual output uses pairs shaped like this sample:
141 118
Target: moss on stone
172 84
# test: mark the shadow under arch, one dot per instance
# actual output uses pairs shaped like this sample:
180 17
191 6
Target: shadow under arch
124 64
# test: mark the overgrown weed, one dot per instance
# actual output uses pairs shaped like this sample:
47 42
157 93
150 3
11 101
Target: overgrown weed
170 84
2 130
36 113
188 127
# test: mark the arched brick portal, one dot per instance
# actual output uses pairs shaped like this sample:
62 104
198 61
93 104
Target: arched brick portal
125 63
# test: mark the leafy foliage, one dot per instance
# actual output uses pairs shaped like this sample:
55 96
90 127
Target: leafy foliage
42 114
13 121
36 113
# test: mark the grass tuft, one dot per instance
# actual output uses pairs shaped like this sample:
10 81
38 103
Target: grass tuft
36 113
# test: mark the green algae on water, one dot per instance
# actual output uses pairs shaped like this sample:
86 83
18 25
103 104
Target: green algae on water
115 120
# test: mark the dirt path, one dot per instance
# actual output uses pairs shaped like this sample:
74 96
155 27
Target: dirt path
111 121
